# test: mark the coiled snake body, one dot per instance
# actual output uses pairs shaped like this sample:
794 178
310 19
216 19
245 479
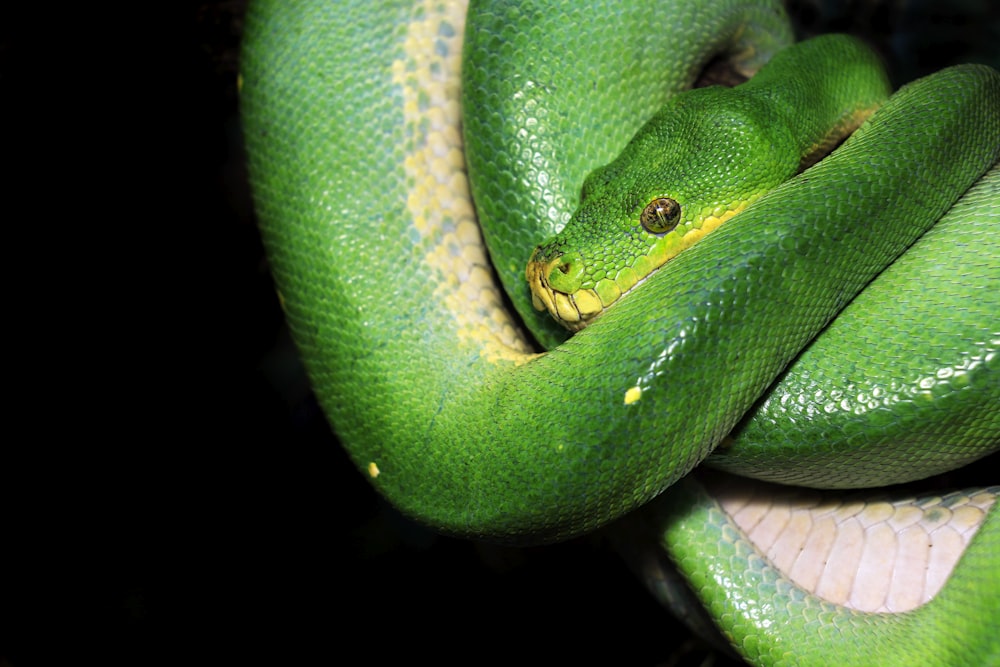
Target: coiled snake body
359 172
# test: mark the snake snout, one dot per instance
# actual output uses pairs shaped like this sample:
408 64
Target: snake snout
557 271
556 282
565 272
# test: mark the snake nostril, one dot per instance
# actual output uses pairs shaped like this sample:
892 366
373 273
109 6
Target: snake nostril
566 272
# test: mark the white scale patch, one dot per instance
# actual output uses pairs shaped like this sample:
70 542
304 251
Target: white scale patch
872 556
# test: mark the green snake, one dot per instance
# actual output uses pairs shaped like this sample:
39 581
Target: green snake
364 147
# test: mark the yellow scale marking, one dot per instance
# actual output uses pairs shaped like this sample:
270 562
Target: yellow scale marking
439 201
633 394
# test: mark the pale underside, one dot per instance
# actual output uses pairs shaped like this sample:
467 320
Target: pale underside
866 554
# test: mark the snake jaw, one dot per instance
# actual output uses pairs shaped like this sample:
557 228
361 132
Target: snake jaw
574 307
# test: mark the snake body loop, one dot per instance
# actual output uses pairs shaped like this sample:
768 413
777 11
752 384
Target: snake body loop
450 406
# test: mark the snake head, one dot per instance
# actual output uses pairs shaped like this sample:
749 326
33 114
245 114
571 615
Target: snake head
609 248
703 158
601 255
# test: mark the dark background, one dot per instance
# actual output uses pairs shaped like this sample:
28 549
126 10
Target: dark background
171 492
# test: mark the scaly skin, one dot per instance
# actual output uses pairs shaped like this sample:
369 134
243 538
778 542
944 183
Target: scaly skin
358 173
769 620
751 138
866 407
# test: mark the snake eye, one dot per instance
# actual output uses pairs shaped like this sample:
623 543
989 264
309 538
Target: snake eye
660 215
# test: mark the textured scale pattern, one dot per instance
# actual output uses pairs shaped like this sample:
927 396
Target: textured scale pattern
767 617
437 405
439 203
868 554
745 141
551 120
870 400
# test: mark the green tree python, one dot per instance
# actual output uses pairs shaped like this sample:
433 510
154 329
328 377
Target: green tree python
359 132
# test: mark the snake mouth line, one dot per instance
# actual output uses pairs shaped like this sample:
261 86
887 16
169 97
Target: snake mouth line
577 307
575 310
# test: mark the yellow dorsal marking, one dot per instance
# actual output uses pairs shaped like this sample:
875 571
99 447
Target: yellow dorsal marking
439 201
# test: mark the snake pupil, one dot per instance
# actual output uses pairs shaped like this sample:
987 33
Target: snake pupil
660 215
